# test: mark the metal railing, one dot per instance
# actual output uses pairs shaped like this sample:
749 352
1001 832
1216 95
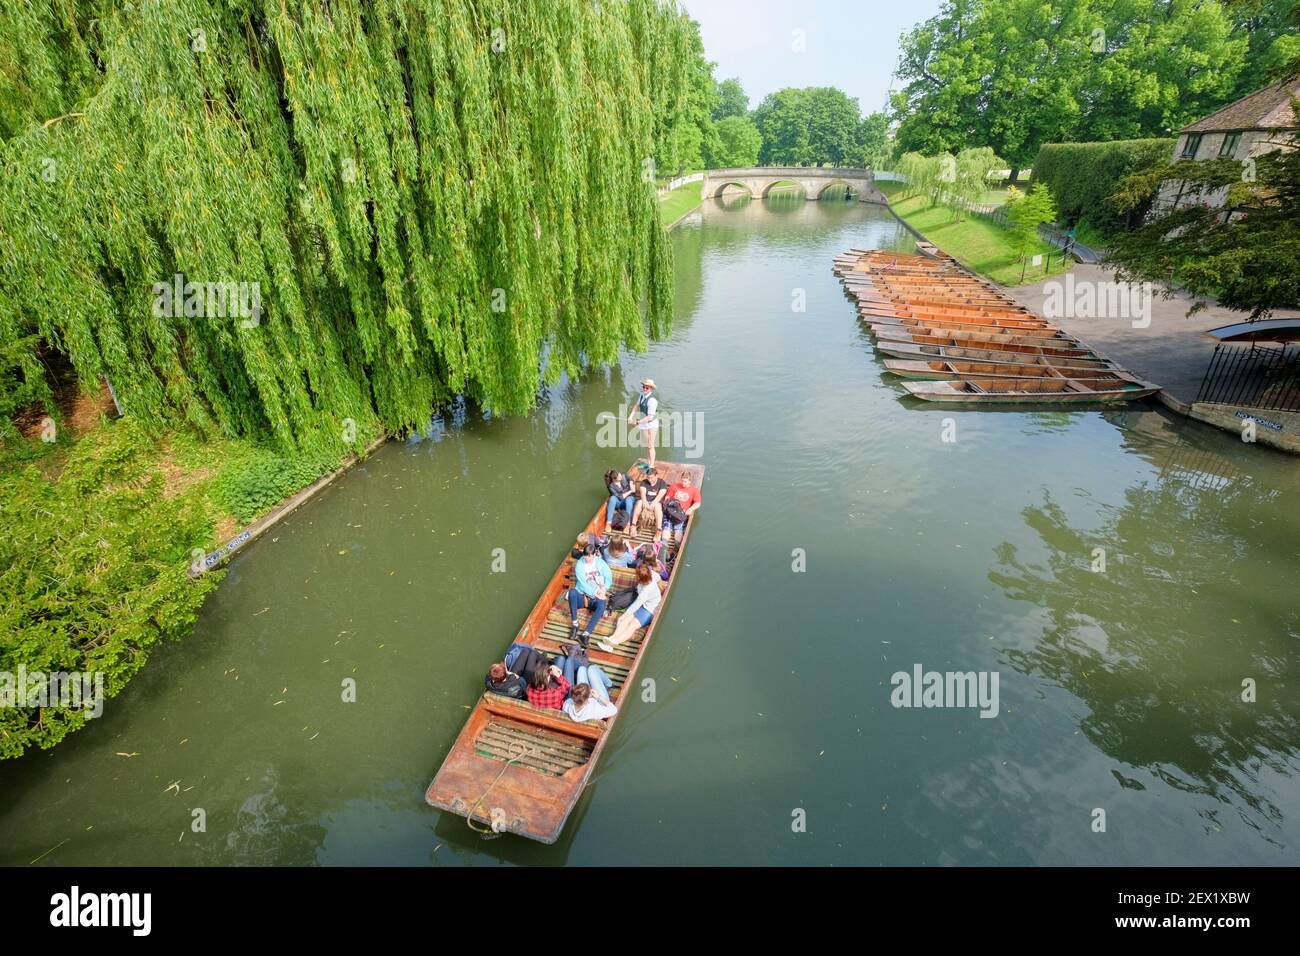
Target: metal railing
1261 376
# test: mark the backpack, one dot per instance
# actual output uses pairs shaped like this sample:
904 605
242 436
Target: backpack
674 511
620 521
621 599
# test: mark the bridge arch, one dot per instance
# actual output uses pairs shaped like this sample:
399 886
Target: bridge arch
835 182
721 187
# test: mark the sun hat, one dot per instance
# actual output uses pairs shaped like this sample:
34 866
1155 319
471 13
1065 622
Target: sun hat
648 381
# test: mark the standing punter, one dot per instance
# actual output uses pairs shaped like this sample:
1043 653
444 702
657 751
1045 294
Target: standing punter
644 416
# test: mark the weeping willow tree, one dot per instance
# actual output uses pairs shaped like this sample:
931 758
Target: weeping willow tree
430 198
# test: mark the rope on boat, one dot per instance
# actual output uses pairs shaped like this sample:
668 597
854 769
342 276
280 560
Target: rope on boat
495 814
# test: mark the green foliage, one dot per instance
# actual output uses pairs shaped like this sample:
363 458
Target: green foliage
1015 74
955 181
971 182
93 572
248 486
739 143
22 383
1028 211
1238 240
429 194
875 150
813 126
732 100
1082 177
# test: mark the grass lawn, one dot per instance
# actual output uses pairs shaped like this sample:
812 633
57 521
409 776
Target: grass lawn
679 202
975 241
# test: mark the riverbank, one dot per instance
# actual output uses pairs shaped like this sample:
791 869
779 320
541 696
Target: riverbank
676 205
977 242
115 538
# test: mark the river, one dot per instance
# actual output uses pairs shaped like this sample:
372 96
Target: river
772 738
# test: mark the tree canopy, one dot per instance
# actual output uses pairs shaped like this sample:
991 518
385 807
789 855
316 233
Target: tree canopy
1015 74
429 195
812 126
732 100
739 143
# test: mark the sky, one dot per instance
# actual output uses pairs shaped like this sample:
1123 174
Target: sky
849 44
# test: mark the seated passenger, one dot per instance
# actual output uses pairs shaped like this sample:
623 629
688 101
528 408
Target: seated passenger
622 495
649 554
501 680
650 500
640 613
592 580
590 697
547 688
580 546
618 554
686 497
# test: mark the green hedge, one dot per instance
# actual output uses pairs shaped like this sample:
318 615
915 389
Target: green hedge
1082 177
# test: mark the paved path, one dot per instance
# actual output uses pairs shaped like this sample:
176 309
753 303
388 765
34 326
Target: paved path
1171 351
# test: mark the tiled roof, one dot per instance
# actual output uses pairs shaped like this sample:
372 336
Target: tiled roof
1269 108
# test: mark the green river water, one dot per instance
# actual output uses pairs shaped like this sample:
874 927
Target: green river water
1119 690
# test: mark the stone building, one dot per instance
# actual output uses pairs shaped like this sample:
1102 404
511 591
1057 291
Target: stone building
1256 124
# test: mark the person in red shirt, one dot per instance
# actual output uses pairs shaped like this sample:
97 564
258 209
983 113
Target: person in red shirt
687 497
548 688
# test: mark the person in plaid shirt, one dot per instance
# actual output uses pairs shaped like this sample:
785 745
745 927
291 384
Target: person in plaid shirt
548 688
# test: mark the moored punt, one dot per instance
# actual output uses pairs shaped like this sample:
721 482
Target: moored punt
914 350
919 323
519 768
1006 390
939 370
938 308
971 338
990 321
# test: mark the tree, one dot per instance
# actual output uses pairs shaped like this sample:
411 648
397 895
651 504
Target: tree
923 175
434 199
739 143
971 181
812 126
875 151
1272 30
696 139
1015 74
1245 254
1027 212
732 100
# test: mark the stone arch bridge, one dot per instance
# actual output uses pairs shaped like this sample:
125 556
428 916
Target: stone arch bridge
815 180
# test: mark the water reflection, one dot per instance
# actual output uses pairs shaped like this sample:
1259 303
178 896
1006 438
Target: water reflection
1192 600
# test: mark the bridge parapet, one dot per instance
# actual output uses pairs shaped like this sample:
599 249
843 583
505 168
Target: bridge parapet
814 180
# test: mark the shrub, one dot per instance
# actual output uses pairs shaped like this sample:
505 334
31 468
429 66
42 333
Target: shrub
255 482
93 572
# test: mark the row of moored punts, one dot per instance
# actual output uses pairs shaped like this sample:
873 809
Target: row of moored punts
954 337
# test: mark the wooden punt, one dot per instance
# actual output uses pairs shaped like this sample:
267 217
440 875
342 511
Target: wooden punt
1004 390
939 370
915 350
527 766
941 310
922 323
989 321
979 338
